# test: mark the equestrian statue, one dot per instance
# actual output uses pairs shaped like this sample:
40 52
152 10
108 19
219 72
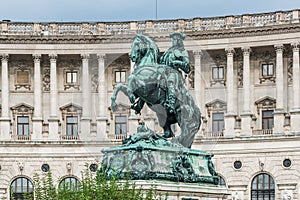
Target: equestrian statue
159 83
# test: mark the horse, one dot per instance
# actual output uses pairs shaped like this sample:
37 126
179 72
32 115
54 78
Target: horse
147 84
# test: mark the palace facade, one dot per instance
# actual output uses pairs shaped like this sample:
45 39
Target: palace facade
57 79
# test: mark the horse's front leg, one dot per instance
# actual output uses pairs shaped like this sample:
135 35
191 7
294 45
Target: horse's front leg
119 87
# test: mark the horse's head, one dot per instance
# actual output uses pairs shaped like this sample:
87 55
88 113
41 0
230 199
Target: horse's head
137 49
144 48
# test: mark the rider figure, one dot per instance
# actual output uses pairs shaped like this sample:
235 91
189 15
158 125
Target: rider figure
177 58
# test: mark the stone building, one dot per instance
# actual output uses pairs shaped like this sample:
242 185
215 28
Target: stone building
57 78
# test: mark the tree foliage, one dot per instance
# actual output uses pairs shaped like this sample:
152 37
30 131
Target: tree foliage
92 186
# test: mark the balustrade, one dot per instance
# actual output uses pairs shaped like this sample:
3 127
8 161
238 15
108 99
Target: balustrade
111 28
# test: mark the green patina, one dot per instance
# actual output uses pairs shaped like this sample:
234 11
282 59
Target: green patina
158 82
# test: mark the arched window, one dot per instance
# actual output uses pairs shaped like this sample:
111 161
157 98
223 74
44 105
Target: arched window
21 188
69 184
263 187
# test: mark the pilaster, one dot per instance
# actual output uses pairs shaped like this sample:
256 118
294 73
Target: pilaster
37 121
4 120
230 115
53 119
280 92
295 111
246 112
86 98
102 98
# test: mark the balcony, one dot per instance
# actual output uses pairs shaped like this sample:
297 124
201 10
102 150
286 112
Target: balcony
21 137
69 137
210 134
262 132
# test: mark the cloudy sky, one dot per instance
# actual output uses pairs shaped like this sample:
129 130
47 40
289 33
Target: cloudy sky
126 10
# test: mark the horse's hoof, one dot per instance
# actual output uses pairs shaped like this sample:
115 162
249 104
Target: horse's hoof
168 134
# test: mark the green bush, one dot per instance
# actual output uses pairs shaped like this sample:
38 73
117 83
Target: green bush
92 187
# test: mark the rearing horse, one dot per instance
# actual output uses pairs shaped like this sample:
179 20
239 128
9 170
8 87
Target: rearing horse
147 84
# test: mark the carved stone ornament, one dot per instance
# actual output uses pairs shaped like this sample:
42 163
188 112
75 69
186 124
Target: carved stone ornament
71 109
265 103
22 109
290 71
22 74
94 79
216 105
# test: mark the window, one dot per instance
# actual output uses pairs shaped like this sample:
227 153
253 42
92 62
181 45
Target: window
120 76
69 184
263 187
72 126
218 72
267 119
21 188
71 77
217 123
121 127
23 126
267 69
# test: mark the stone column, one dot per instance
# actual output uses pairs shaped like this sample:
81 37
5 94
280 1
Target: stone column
102 98
37 120
53 119
230 115
246 112
295 111
5 120
198 87
133 118
279 111
86 98
198 80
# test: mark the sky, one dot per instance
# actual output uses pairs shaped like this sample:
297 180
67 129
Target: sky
133 10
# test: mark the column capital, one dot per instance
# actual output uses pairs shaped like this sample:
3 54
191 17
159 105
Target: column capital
4 57
36 57
295 46
230 51
246 50
53 57
85 56
101 57
197 53
279 48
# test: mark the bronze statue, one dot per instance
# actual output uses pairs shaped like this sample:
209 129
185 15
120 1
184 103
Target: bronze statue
160 84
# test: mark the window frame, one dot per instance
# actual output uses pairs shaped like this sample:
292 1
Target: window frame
123 132
73 125
268 69
217 68
260 187
14 186
120 76
71 189
219 122
22 126
72 73
71 84
268 118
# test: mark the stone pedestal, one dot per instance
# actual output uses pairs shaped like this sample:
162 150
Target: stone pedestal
85 124
295 119
229 126
101 127
246 122
278 122
5 128
179 191
37 126
53 129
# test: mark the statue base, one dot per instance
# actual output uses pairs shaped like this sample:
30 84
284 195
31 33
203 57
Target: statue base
146 155
181 191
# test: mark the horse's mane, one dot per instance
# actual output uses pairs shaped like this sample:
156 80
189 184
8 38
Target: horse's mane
150 45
